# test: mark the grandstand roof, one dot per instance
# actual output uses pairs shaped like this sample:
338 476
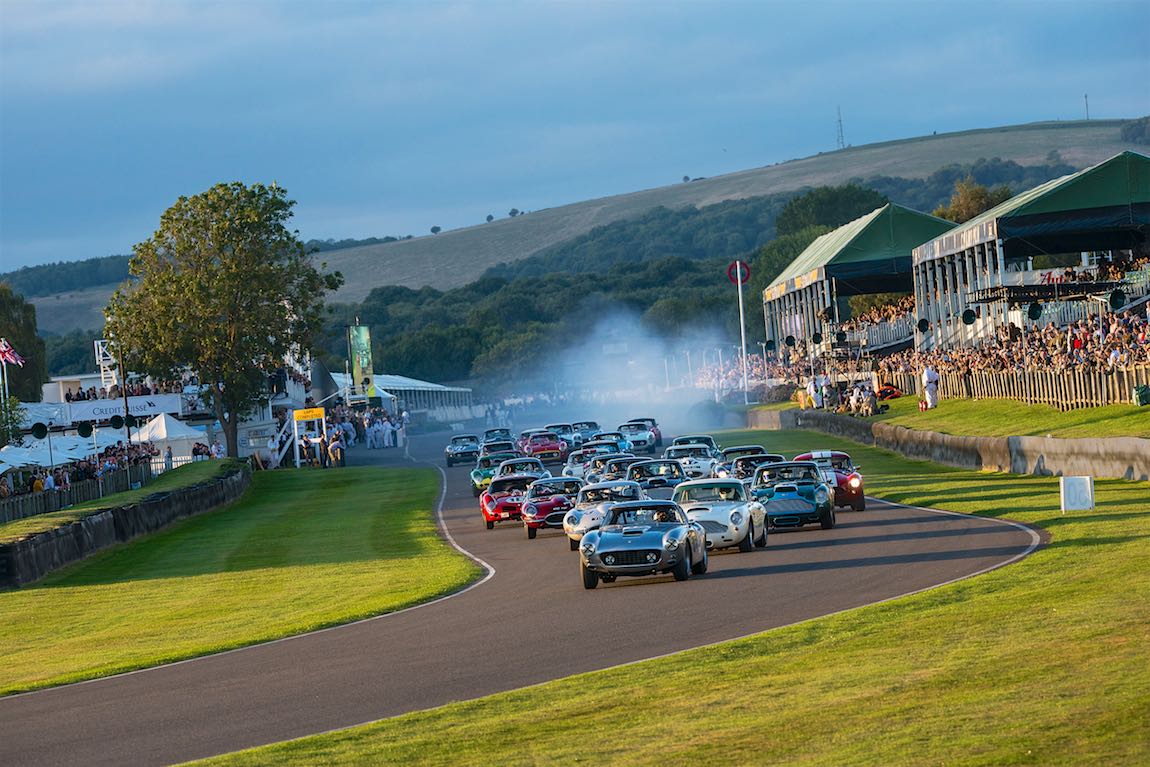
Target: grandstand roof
864 255
1104 206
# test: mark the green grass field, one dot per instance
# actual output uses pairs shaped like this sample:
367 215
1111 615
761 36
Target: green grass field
1040 663
300 551
184 476
1008 418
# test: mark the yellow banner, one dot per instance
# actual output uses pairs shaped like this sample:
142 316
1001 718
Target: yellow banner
309 414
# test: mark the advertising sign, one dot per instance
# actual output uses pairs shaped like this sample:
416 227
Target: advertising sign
103 409
359 352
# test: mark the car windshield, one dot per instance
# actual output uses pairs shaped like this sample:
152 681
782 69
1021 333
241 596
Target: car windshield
510 485
517 467
749 463
542 439
698 438
788 472
612 493
725 492
493 434
656 469
586 425
632 428
560 429
732 453
649 516
484 463
687 452
547 489
842 463
464 441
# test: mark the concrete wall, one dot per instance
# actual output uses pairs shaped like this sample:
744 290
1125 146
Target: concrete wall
27 560
1121 457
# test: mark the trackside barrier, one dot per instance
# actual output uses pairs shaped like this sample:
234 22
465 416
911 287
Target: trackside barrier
31 504
26 560
1065 390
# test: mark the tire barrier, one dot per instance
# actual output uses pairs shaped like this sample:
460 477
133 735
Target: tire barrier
29 559
1117 457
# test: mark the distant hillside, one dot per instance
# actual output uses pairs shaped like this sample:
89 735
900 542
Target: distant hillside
455 258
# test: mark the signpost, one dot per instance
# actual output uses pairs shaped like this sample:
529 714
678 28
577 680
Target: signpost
301 416
740 273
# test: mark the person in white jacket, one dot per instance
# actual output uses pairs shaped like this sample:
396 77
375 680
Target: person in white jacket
930 386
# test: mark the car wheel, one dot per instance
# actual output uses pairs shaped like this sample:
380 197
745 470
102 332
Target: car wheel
448 463
748 541
700 567
590 579
761 541
531 532
490 524
682 570
574 544
860 504
827 519
475 491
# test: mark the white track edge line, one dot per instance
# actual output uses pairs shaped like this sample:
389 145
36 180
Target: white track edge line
441 525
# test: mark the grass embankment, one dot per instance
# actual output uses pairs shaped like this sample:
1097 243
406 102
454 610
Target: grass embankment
300 551
1043 662
1009 418
184 476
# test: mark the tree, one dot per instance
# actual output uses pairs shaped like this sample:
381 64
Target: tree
18 325
436 230
11 418
513 212
686 179
830 206
225 289
971 198
490 218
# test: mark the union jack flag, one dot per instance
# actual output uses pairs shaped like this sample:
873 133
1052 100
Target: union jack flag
8 354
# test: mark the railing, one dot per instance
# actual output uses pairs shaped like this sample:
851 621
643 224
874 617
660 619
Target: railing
31 504
1065 390
882 334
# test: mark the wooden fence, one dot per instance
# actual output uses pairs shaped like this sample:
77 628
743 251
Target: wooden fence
1065 390
31 504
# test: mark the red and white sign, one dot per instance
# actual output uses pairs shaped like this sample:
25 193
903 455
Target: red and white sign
739 272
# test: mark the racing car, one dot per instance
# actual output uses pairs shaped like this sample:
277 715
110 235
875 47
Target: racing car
842 475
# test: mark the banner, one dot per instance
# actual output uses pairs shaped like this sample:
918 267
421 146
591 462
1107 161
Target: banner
359 352
103 409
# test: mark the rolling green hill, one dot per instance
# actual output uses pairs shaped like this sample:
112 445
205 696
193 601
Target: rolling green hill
455 258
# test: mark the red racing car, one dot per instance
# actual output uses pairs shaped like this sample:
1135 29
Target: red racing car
502 501
548 501
546 446
841 474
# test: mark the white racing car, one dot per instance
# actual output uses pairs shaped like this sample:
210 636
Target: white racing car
592 505
726 511
696 458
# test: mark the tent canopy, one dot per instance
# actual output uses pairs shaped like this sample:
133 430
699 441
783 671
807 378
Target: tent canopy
871 254
1106 206
163 428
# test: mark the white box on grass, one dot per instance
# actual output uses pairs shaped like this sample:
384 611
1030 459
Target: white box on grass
1077 493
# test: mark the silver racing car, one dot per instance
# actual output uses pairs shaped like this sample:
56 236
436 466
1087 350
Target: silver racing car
643 538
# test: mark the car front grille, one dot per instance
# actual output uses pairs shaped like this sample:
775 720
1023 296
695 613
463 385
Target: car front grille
629 557
788 505
711 526
555 518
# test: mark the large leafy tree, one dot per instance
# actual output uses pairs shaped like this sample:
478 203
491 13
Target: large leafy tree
224 288
18 325
830 206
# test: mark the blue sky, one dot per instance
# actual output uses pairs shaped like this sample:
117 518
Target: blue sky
391 117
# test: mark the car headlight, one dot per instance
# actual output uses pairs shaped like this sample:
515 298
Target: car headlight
672 544
724 473
855 482
736 518
821 496
588 549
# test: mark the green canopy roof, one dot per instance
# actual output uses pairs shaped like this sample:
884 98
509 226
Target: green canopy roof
1107 205
870 254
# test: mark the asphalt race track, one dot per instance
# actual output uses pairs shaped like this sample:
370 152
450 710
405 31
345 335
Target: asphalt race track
528 622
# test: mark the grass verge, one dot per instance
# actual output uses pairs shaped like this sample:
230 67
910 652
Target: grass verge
1009 418
1041 663
184 476
300 551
